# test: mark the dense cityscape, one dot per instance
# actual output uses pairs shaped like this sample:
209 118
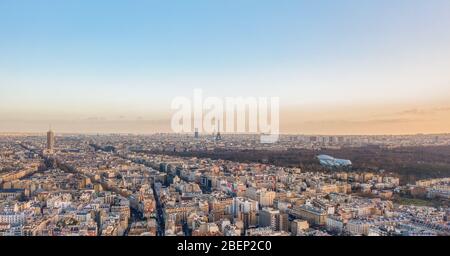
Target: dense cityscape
117 185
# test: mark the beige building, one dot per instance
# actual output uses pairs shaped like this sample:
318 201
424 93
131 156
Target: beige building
313 215
297 226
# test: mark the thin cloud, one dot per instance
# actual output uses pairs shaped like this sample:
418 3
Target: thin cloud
362 122
416 111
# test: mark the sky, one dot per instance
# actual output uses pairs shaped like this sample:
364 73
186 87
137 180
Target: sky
338 66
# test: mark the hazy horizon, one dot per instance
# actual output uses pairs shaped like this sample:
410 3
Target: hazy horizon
339 67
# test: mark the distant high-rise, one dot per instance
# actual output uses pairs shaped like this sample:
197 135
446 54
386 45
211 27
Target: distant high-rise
331 139
196 133
50 140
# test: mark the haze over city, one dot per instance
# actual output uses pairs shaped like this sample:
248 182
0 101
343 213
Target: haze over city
339 67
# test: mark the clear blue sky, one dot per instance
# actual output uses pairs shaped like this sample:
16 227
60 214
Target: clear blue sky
70 57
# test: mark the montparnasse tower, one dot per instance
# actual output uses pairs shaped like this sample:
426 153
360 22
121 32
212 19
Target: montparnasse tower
50 140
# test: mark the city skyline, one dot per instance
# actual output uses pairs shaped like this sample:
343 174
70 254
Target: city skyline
347 67
171 185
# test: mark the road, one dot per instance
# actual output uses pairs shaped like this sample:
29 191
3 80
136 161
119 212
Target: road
159 207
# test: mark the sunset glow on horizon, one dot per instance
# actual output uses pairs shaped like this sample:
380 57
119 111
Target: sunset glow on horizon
338 67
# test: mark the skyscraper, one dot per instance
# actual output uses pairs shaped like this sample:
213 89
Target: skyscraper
50 140
196 133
